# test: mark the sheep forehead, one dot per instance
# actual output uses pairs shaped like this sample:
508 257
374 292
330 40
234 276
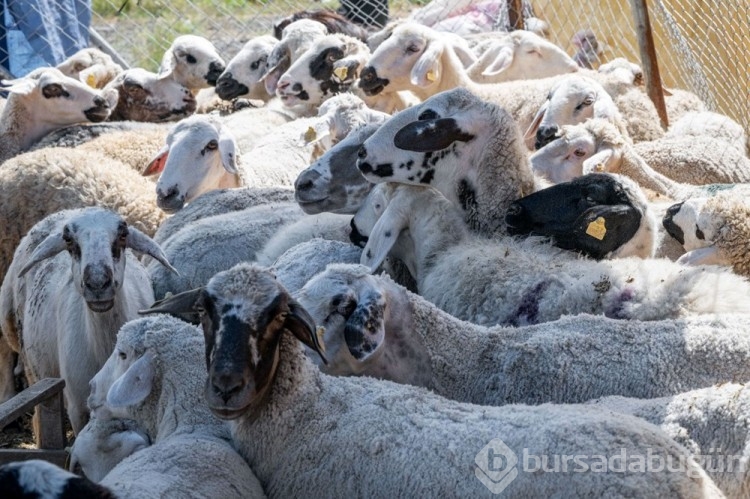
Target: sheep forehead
245 289
341 104
303 27
96 220
195 45
195 129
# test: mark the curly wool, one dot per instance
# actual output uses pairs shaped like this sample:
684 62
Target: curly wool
731 214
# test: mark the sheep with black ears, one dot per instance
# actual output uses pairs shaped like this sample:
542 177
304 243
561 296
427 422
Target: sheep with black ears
244 72
282 411
712 423
374 327
192 61
600 215
68 291
506 281
713 231
43 101
468 149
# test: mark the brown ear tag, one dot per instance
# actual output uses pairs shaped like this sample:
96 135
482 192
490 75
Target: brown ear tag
597 229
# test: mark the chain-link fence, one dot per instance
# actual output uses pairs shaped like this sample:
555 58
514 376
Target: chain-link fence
702 46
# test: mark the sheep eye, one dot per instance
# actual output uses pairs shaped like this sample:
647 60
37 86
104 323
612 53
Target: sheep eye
190 59
411 49
579 152
427 114
212 145
122 355
254 65
54 90
332 57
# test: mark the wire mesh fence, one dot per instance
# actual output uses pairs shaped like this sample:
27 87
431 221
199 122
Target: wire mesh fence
702 46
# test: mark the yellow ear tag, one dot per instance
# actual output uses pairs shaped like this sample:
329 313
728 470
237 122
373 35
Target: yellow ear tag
341 72
431 75
310 135
596 229
319 333
91 80
599 167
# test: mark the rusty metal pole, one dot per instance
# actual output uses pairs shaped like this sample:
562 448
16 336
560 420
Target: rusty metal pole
648 59
515 14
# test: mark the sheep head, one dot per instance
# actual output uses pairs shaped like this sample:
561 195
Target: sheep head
243 311
192 61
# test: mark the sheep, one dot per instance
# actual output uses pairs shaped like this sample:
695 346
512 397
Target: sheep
599 215
296 38
512 282
66 293
468 149
144 96
421 60
711 423
297 265
518 55
190 455
710 124
374 327
91 66
201 153
333 183
43 101
242 76
103 443
37 478
332 20
712 230
266 387
192 61
597 145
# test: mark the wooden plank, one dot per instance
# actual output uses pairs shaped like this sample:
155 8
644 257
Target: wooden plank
58 457
649 61
515 14
27 399
51 434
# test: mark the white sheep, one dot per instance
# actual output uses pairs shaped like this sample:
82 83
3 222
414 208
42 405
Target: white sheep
91 66
597 145
144 96
43 101
518 55
468 149
297 265
67 292
374 327
710 124
712 423
244 72
192 61
287 416
507 281
713 231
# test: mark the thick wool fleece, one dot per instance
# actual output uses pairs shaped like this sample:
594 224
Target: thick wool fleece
712 423
404 440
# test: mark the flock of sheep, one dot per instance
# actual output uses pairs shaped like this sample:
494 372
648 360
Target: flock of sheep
472 237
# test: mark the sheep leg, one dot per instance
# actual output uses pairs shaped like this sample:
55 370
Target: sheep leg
7 379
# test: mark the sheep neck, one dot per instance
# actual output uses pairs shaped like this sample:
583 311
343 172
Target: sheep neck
635 167
22 124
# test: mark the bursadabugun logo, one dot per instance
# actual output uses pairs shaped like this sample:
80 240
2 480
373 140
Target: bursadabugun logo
496 466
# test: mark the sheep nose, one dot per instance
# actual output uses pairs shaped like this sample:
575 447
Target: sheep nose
545 135
306 181
227 384
97 278
368 74
101 102
362 153
282 84
171 192
214 71
355 236
297 87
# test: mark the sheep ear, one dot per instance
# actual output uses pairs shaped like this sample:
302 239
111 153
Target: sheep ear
430 135
604 160
365 328
52 245
167 65
158 163
134 385
384 235
465 55
710 255
502 61
531 131
20 86
271 78
299 322
317 132
141 243
181 305
228 151
427 68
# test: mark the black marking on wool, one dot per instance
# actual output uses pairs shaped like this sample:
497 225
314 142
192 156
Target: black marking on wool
428 176
303 95
616 309
409 164
387 233
411 178
383 170
699 234
466 195
426 159
527 311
